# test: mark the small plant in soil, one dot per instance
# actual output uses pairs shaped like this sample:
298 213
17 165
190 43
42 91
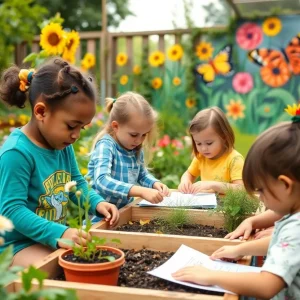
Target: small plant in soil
89 253
176 218
236 205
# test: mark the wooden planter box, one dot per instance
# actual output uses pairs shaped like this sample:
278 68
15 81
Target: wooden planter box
135 213
135 241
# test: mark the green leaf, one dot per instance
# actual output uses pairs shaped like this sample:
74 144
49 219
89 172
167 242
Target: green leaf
109 258
7 277
267 110
29 58
31 274
116 241
6 258
286 97
56 294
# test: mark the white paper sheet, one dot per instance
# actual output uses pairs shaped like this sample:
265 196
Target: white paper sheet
186 256
177 199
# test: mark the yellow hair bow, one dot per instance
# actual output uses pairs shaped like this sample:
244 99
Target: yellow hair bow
25 77
294 111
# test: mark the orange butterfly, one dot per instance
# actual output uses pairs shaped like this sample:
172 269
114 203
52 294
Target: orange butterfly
277 66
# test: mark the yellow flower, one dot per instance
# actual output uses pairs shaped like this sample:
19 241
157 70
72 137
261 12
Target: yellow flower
293 110
83 150
5 225
72 44
123 79
267 109
137 70
235 109
23 119
84 171
156 58
69 56
175 52
271 26
99 123
204 50
121 59
176 81
190 103
88 61
53 39
156 83
11 122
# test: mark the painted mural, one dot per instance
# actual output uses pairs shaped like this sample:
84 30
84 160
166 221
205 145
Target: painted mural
252 74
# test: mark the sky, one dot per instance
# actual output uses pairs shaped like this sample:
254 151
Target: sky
158 15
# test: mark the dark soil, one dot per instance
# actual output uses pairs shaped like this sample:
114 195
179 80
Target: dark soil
134 272
97 259
155 226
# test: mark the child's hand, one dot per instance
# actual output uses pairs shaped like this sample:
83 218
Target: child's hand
201 186
109 211
161 188
227 253
79 237
264 233
242 232
185 187
152 195
195 274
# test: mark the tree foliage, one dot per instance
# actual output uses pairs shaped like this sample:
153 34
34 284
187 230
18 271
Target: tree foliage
18 22
83 15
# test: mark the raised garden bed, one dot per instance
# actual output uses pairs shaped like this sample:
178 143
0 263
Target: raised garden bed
137 241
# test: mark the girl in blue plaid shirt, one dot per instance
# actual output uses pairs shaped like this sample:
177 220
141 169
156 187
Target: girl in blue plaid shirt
117 166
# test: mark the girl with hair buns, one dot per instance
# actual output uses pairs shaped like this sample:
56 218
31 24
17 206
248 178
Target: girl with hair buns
37 160
121 151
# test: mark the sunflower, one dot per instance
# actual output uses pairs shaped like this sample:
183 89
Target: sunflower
123 79
53 39
137 70
88 61
68 56
156 58
176 81
204 50
156 83
73 40
271 26
121 59
175 52
235 109
190 103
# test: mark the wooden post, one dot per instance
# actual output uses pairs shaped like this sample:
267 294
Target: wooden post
103 53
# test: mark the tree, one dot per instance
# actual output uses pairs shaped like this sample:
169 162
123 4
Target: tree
83 15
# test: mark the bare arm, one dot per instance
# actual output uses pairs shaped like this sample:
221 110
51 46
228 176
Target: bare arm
216 186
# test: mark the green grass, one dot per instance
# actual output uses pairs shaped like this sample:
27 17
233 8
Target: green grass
243 141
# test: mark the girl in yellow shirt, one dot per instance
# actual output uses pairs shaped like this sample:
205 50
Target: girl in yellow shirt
215 160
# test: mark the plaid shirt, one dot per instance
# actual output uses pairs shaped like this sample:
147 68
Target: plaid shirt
114 170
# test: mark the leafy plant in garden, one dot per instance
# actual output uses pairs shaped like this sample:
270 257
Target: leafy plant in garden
90 252
236 205
171 159
8 274
176 218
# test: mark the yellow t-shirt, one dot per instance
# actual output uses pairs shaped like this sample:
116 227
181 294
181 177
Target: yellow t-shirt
227 168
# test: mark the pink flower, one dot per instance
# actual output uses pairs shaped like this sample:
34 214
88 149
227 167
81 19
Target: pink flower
249 36
164 141
284 244
177 144
242 82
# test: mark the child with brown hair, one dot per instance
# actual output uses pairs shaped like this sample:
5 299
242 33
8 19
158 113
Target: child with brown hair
121 151
215 160
37 160
271 170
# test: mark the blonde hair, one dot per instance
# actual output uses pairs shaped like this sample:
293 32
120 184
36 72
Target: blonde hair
120 110
215 118
275 152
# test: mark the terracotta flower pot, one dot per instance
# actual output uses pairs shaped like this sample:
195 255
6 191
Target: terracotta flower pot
99 273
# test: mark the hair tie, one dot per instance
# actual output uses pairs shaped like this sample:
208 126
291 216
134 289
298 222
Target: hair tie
114 100
294 111
74 89
25 77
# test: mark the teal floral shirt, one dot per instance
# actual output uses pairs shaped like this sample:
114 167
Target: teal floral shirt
283 257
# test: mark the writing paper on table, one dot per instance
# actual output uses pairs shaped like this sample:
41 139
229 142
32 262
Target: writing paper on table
177 199
186 256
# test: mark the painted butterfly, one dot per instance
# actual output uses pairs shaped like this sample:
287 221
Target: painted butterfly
277 66
219 65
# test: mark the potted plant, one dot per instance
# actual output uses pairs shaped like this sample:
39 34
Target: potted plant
95 262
